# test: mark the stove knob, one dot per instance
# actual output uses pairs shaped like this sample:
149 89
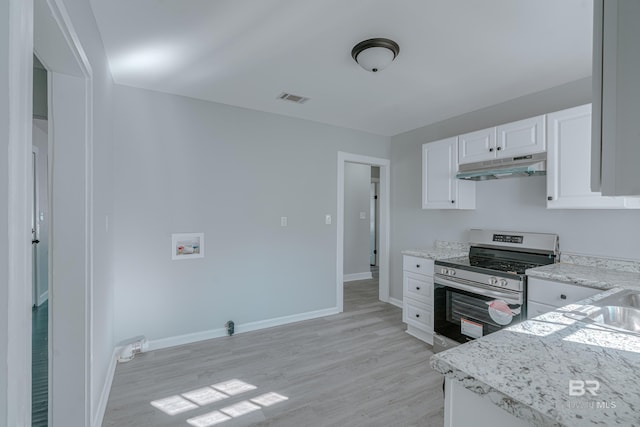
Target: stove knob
503 283
452 272
493 280
444 271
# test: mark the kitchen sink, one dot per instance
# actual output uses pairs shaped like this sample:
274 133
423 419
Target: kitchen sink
626 318
628 298
620 311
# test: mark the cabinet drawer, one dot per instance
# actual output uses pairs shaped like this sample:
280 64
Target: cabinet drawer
418 287
417 265
556 294
535 309
418 315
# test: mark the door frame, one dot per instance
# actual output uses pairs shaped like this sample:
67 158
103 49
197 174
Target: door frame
384 195
20 68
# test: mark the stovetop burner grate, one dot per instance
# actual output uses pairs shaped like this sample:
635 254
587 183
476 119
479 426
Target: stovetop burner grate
502 265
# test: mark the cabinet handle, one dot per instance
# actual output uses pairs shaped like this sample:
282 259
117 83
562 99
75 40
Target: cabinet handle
417 265
453 201
549 198
499 148
417 288
417 315
491 150
563 296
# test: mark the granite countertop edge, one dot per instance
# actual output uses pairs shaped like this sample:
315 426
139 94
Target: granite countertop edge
587 276
435 253
513 406
499 398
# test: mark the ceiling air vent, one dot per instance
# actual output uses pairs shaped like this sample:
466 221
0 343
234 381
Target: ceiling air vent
293 98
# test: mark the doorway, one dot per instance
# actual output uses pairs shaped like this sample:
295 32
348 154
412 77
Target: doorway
374 221
40 249
383 199
44 28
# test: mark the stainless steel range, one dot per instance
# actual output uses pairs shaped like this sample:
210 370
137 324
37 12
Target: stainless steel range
486 291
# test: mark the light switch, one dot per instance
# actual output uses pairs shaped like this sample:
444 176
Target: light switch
363 215
327 219
283 221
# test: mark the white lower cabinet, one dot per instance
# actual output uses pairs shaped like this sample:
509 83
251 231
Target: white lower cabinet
464 408
417 300
547 295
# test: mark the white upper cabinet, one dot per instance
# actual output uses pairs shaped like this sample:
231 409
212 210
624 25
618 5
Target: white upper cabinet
440 188
616 97
569 163
521 138
509 140
477 146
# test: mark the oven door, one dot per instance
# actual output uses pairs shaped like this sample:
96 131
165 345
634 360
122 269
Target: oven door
462 310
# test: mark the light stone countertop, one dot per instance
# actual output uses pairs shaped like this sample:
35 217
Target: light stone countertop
440 250
525 369
588 276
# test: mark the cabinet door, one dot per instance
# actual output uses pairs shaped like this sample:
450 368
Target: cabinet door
569 163
535 309
418 315
556 294
438 174
616 77
418 287
521 137
477 146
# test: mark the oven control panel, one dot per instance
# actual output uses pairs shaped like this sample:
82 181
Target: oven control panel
508 238
494 281
463 275
447 271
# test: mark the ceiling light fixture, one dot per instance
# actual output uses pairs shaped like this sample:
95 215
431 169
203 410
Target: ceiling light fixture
375 54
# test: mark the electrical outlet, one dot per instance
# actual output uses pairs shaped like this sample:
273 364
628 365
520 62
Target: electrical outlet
363 215
327 219
283 221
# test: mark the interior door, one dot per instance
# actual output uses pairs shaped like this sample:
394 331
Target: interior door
373 220
34 230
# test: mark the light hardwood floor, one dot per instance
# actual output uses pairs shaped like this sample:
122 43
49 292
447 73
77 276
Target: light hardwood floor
357 368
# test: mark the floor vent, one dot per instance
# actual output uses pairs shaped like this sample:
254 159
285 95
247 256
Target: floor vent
293 98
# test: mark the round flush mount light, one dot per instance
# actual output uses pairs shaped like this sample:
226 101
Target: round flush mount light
375 54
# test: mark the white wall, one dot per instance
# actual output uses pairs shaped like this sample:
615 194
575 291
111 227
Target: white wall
39 140
102 332
68 329
4 201
357 188
511 204
184 165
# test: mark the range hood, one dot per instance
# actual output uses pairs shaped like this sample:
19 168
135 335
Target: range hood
529 165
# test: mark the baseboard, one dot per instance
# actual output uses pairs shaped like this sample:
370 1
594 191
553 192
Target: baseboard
106 389
357 276
396 302
239 328
42 298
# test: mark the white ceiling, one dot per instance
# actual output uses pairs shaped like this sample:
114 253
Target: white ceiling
455 56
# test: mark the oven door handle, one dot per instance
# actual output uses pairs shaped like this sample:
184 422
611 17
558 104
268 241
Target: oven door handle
509 298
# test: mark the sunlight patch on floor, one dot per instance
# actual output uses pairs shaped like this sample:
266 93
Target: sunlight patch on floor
208 420
174 405
240 408
269 399
207 395
204 396
234 387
